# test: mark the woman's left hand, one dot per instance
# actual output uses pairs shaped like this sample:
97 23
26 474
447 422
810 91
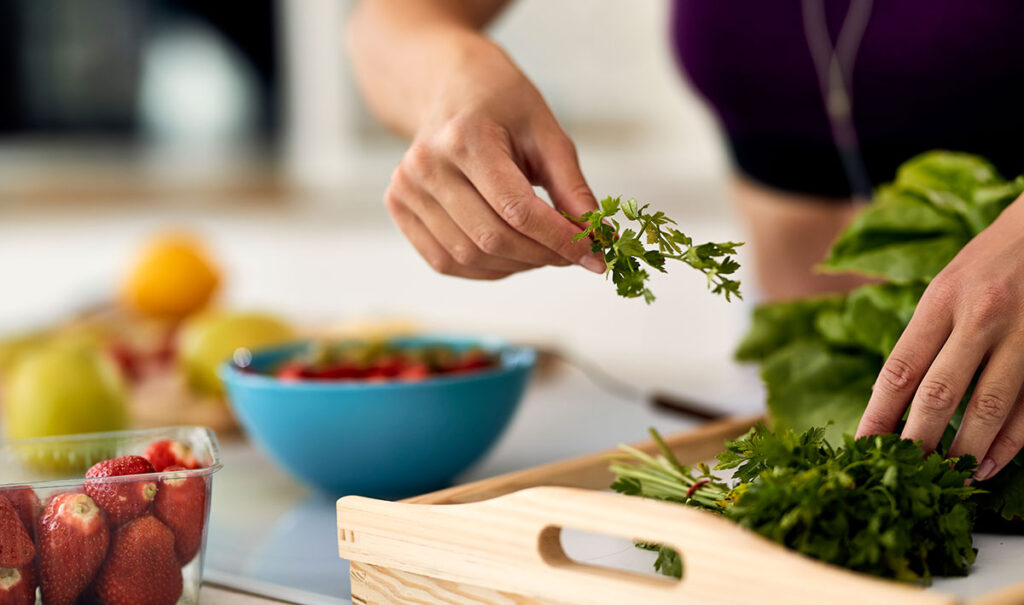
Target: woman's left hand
971 316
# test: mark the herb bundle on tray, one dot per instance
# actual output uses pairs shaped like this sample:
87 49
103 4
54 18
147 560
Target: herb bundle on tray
873 505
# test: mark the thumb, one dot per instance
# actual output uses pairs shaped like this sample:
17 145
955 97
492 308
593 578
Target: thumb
560 175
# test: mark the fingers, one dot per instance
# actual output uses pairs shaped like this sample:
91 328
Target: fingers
429 248
455 241
942 388
559 172
492 235
903 370
1007 444
491 169
991 403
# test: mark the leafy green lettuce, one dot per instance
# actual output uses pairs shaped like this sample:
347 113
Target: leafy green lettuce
819 357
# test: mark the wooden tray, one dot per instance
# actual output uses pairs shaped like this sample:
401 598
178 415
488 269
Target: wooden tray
498 541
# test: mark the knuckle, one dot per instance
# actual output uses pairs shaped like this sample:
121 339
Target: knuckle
419 162
897 375
491 241
943 291
392 201
989 305
442 264
455 138
465 253
990 408
936 397
1008 444
515 210
566 145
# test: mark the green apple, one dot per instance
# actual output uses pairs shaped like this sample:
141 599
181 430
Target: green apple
208 340
14 347
59 388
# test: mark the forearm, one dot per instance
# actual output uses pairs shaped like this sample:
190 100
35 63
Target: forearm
403 52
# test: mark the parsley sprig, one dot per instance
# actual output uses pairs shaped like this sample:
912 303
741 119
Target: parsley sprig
625 253
873 505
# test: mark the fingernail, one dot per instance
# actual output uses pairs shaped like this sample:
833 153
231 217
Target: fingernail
592 264
985 470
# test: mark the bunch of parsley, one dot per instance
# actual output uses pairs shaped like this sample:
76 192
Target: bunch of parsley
873 505
625 254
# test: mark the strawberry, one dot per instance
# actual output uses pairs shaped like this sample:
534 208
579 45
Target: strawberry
414 372
26 502
121 501
18 586
141 568
73 539
166 453
16 548
181 505
291 372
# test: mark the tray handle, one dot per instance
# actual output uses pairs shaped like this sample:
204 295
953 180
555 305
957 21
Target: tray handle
511 543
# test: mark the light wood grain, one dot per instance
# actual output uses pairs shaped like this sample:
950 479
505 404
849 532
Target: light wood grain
372 584
1011 595
591 471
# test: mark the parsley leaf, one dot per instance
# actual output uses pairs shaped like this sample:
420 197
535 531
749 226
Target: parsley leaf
625 250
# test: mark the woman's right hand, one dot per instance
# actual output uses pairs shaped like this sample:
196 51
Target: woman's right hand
463 193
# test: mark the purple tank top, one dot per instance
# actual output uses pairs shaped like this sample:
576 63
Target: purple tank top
928 74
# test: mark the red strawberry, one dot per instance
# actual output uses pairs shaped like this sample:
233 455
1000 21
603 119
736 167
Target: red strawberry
141 568
17 586
414 372
166 453
16 548
73 539
126 500
181 505
26 502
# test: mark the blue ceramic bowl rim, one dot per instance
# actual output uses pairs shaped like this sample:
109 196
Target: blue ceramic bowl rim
513 358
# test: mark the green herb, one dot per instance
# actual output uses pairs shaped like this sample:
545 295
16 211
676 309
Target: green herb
819 357
626 251
873 505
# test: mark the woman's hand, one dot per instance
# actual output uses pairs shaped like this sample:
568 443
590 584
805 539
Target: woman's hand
482 137
463 193
971 317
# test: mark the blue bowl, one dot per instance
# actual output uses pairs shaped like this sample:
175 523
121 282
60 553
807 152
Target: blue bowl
385 440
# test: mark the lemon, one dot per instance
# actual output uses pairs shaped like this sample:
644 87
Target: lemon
209 339
174 277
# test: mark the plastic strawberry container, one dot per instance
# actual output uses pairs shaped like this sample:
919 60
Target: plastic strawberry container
135 567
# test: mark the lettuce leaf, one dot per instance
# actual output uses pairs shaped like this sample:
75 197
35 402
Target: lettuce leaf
811 385
774 325
900 237
871 318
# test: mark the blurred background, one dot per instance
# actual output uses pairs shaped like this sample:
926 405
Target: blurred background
161 158
239 125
